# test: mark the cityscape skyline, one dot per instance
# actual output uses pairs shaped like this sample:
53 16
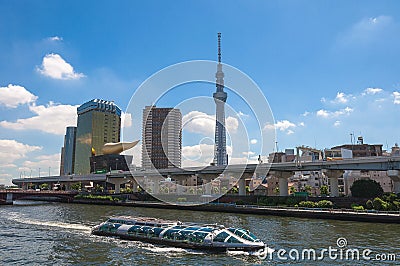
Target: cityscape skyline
323 82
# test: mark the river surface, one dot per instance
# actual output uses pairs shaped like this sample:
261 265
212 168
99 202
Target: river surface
39 233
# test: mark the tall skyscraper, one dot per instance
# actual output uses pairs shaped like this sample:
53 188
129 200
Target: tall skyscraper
161 138
220 157
68 158
99 122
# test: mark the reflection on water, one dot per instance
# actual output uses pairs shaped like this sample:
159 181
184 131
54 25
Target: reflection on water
54 233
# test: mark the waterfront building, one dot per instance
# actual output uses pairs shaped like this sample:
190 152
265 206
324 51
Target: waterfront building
68 152
220 155
99 122
161 138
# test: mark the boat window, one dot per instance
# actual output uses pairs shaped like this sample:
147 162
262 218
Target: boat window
233 239
206 229
221 237
193 228
178 227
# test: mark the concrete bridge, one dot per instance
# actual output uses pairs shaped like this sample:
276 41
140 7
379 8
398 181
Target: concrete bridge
332 169
8 196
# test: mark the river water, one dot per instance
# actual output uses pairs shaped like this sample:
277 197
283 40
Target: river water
39 233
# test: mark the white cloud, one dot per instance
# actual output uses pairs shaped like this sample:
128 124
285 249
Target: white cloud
328 114
306 113
52 119
248 153
253 141
301 124
14 95
396 96
372 91
337 123
341 98
55 39
202 123
289 132
12 150
44 162
242 115
54 66
280 125
126 120
366 31
200 154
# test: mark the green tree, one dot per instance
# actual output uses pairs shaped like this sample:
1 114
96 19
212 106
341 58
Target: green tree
276 190
234 190
44 186
76 186
292 190
324 190
366 189
224 190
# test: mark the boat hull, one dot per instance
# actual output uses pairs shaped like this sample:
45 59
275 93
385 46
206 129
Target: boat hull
172 243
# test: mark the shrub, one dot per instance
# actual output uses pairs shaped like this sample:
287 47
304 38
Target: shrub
291 201
369 205
366 189
324 204
357 207
307 204
181 200
380 204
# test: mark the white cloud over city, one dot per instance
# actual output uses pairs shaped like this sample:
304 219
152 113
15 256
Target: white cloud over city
52 118
202 123
55 67
14 95
12 150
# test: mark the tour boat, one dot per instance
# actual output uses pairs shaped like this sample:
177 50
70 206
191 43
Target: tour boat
212 237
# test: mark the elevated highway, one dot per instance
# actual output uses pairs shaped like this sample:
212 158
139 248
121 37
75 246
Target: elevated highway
333 169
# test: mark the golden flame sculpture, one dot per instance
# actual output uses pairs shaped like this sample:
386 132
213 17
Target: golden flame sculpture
117 148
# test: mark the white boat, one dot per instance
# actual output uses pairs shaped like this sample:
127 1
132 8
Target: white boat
212 237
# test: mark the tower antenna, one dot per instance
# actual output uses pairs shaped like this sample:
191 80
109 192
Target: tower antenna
219 47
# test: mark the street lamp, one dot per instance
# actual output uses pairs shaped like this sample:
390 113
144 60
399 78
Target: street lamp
49 170
39 171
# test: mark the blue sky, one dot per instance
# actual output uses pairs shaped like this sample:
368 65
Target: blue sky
327 68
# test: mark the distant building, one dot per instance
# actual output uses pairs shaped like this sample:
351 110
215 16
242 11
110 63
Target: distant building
99 122
62 162
362 150
68 152
161 138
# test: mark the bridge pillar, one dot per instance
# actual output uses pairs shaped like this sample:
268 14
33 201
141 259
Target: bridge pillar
9 198
283 182
117 182
242 187
395 176
134 185
207 178
333 176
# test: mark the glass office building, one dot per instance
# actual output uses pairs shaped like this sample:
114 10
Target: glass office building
99 122
68 159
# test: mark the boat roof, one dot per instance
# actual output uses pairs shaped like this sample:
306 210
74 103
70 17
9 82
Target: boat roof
151 220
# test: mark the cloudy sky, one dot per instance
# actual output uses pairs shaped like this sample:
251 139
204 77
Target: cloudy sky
327 69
